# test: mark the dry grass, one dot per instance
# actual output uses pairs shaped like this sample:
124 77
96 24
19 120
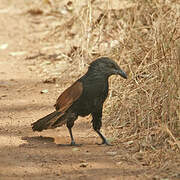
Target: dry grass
147 105
144 37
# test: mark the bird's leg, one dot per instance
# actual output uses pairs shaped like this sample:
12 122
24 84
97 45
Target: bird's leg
104 141
97 123
72 138
70 123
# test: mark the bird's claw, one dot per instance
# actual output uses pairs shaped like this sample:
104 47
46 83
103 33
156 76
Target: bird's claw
74 144
105 143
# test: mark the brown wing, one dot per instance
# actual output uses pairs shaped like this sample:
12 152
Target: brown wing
71 94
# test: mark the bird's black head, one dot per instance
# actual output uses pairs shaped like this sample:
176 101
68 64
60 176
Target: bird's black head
106 66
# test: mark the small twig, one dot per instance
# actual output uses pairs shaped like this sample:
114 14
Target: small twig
171 135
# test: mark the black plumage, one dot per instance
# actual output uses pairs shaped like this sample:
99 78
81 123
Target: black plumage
86 96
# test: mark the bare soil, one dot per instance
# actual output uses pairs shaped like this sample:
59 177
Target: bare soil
25 154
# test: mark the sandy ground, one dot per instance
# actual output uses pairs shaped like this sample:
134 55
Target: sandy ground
28 155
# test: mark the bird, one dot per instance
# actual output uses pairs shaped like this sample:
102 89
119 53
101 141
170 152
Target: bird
85 96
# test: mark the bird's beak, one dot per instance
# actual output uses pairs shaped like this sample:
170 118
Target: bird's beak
121 73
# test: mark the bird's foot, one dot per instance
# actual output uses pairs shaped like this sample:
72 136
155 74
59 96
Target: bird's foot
105 142
74 144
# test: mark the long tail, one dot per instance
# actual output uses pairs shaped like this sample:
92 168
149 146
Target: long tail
47 121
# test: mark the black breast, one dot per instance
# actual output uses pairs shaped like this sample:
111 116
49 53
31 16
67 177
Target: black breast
95 91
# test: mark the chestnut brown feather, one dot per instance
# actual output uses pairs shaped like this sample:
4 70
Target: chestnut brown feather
70 95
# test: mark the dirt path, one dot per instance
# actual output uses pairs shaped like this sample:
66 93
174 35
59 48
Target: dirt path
28 155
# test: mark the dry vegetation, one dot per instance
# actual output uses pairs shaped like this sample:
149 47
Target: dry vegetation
144 37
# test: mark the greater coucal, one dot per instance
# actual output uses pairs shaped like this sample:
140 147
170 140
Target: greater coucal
86 96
